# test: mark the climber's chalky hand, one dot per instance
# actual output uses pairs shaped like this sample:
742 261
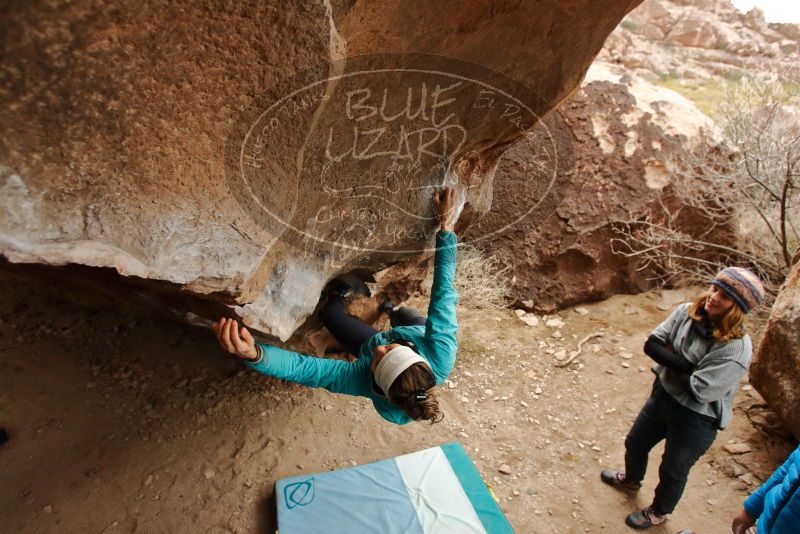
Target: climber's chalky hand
235 340
446 204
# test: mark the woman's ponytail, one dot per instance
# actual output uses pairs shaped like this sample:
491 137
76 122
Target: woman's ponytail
414 392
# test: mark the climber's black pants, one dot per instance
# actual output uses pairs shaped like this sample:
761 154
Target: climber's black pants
352 333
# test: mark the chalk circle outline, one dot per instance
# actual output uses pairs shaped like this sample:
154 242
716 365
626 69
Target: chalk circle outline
539 122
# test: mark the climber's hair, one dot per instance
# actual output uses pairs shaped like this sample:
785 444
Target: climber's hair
729 326
413 391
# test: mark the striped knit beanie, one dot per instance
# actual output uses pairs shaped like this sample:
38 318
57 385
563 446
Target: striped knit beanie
742 286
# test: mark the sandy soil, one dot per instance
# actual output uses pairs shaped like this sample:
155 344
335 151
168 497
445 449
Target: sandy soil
121 423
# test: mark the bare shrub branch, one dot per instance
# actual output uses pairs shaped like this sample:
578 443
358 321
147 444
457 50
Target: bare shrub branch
749 185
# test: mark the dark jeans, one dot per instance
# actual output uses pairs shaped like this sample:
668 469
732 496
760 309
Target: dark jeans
352 333
688 436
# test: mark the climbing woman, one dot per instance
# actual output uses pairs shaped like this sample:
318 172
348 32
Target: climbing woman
701 353
397 369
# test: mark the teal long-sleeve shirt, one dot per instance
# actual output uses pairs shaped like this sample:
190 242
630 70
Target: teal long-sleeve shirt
435 342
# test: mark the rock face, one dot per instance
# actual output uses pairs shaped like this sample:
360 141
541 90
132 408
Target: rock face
701 39
552 220
776 365
251 152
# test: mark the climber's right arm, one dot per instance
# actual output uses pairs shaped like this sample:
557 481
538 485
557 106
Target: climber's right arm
336 376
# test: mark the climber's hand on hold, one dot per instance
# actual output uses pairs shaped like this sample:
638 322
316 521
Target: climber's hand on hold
447 207
235 340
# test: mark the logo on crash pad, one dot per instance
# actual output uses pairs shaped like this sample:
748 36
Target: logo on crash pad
299 493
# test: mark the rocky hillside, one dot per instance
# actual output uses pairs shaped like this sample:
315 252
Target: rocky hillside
701 39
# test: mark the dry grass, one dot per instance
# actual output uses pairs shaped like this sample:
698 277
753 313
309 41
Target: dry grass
707 95
480 280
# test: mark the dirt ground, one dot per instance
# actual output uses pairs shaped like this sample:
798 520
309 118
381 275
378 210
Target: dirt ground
122 423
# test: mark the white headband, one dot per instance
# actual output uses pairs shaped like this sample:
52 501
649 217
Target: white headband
393 364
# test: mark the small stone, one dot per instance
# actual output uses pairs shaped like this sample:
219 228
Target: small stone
463 434
504 469
625 355
209 473
520 312
523 404
625 365
748 479
451 384
580 310
555 322
530 374
711 502
530 320
732 469
595 448
48 509
528 304
560 355
709 482
488 392
538 390
642 369
515 493
630 310
328 407
557 334
737 448
747 387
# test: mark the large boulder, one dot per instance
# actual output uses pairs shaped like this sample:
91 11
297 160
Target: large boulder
775 371
617 143
251 151
699 29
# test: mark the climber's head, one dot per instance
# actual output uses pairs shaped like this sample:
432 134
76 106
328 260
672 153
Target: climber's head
733 293
407 380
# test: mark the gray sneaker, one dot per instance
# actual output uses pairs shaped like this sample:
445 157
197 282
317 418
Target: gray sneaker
615 479
644 518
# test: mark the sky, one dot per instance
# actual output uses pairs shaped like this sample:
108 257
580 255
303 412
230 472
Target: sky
774 10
